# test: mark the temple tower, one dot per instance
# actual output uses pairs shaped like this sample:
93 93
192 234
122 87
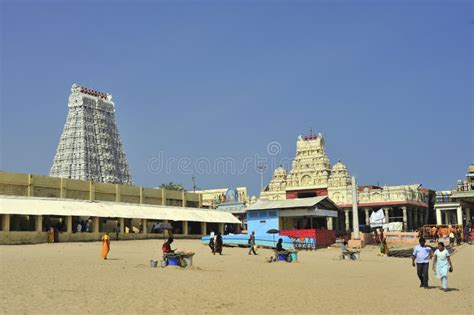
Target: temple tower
311 167
90 146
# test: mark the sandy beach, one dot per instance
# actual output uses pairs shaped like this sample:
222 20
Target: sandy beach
72 278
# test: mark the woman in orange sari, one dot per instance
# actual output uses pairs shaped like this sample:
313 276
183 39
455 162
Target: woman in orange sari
105 245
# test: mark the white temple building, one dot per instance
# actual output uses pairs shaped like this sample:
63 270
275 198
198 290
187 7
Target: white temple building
90 147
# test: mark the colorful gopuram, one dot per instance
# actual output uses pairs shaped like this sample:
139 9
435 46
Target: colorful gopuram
311 175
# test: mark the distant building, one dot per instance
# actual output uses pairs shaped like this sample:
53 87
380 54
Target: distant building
454 206
311 175
212 198
90 147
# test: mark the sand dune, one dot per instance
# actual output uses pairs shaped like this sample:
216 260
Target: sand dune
72 278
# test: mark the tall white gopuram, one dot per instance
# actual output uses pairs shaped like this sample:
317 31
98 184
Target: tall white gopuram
90 146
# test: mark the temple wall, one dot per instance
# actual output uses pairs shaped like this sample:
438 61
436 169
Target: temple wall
16 184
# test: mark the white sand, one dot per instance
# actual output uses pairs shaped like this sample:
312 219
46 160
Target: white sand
72 278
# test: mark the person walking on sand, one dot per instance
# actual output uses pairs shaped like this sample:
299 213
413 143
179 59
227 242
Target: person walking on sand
252 244
211 241
218 244
422 255
117 231
441 265
105 245
451 238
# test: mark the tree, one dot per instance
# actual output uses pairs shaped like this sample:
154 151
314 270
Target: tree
172 186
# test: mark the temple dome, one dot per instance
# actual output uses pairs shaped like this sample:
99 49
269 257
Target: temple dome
279 172
339 167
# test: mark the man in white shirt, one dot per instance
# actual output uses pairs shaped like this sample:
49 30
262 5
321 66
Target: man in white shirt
422 255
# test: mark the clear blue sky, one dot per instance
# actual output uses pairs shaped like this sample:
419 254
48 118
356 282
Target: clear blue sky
388 83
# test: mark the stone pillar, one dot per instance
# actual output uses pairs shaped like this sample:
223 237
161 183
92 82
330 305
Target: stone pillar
31 186
410 219
91 190
439 220
415 218
69 224
185 228
141 195
347 221
118 193
387 215
446 217
95 225
183 198
404 210
367 216
145 228
39 223
62 189
355 210
329 223
221 228
422 215
122 225
163 197
468 215
6 223
459 215
203 228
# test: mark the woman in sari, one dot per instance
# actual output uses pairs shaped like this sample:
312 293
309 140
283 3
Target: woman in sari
442 265
105 245
51 235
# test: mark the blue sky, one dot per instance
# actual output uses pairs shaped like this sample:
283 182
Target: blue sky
388 83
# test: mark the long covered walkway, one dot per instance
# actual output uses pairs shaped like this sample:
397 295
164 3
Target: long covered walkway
27 219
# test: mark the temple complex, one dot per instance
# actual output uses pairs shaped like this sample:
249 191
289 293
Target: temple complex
312 175
454 206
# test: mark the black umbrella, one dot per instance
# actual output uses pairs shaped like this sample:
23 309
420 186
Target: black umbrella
273 232
164 226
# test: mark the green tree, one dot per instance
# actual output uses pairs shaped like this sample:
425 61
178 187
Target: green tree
172 186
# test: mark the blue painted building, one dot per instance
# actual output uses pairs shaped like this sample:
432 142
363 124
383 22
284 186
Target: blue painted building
291 214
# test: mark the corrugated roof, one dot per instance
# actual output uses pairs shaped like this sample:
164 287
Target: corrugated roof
263 204
66 207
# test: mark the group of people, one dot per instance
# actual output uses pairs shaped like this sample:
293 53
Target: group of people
216 243
83 227
454 234
442 264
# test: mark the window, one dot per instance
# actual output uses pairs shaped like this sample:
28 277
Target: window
253 214
272 213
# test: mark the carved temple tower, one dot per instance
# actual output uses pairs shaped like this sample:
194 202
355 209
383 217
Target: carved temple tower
311 175
311 166
90 147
